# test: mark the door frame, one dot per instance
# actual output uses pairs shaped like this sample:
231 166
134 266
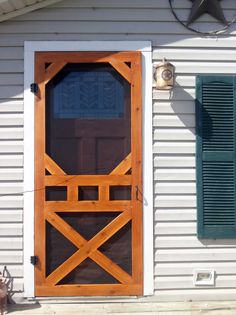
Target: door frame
30 47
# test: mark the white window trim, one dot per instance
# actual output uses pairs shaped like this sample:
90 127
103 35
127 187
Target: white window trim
29 51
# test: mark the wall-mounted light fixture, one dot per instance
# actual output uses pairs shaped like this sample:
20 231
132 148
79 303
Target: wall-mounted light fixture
164 75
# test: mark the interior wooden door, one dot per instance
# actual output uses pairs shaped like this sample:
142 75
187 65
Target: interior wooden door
88 178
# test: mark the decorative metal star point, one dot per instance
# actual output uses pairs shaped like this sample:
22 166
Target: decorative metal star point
211 7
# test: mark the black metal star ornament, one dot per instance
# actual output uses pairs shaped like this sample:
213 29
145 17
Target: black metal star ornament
211 7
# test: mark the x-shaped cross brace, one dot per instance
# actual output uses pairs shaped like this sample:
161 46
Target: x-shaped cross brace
88 248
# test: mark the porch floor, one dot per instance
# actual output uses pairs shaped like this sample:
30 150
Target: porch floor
138 308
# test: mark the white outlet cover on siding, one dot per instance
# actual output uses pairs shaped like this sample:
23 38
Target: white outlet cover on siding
204 277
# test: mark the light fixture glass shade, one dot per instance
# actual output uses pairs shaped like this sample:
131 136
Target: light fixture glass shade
164 75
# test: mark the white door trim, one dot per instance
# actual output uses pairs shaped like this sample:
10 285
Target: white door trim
30 48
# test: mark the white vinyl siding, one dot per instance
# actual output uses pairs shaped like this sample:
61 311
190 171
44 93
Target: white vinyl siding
177 250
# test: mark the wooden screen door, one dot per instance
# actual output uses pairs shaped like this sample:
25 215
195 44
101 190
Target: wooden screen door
88 187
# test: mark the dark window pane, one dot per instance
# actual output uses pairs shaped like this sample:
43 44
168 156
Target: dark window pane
88 118
118 248
58 249
56 193
88 193
120 192
88 93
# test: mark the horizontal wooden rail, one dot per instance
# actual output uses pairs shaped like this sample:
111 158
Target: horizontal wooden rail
88 206
89 289
87 180
89 57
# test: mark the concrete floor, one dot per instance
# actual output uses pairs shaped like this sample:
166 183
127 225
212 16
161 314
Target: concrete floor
157 308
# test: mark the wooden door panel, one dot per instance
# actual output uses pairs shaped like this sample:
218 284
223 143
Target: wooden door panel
88 200
98 155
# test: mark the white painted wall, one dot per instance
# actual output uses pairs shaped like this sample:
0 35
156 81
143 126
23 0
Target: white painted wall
177 249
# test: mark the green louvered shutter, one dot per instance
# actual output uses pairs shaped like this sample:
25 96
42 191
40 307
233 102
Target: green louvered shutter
215 128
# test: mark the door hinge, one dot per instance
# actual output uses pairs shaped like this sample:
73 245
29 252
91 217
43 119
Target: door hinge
34 88
34 260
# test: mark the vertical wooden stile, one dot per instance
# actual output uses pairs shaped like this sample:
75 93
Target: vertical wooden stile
136 129
40 222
